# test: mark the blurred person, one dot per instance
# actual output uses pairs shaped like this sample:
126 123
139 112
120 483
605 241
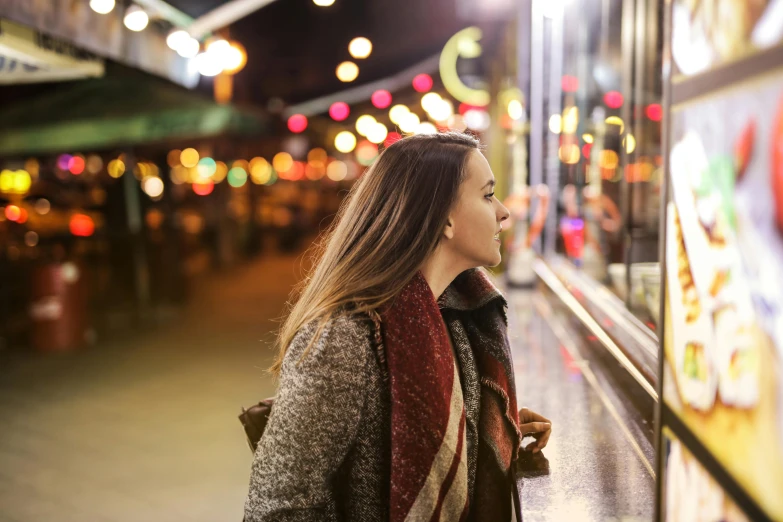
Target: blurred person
397 398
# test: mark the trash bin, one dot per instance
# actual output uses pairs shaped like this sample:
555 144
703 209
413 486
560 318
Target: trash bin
58 307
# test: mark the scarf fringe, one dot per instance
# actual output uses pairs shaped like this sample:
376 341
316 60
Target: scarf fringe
506 414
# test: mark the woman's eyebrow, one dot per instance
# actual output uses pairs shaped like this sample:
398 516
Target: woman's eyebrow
490 183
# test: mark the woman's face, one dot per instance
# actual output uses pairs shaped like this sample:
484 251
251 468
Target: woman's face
474 222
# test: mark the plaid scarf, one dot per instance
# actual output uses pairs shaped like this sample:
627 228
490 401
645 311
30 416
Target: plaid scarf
429 469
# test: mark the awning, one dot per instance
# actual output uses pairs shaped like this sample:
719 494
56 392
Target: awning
27 56
123 109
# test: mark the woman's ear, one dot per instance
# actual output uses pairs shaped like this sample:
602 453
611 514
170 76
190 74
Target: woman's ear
448 230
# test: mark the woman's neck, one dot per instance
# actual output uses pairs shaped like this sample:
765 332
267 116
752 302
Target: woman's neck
439 271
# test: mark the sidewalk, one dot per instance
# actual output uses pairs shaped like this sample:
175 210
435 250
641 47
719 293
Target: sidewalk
146 429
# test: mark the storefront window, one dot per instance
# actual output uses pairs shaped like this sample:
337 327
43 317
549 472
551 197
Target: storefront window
605 157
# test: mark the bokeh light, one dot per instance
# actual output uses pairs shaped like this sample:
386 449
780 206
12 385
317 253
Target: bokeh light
381 98
613 99
337 171
189 157
347 72
282 162
515 110
360 48
297 123
42 206
345 141
377 133
422 82
31 238
237 177
260 171
76 165
203 189
13 213
81 225
323 3
63 161
409 123
136 19
152 186
221 171
477 119
654 111
339 111
366 152
555 123
430 101
426 128
102 6
172 158
397 113
116 168
94 164
364 124
206 168
391 138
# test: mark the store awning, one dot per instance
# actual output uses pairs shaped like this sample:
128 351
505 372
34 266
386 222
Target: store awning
124 109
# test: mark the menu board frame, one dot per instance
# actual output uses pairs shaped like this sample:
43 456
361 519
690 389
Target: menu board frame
677 90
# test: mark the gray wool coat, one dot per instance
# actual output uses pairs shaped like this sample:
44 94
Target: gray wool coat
326 451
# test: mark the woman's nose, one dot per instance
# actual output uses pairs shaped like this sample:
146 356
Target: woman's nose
504 213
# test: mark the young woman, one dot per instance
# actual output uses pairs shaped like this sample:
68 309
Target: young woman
397 398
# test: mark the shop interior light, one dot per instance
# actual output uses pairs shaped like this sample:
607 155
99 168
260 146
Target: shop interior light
136 19
323 3
102 6
360 48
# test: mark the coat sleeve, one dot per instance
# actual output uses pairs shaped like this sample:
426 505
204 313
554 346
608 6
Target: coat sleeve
313 425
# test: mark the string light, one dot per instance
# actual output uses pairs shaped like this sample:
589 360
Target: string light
136 19
102 6
345 142
347 72
360 48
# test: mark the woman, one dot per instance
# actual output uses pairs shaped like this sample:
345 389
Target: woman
396 398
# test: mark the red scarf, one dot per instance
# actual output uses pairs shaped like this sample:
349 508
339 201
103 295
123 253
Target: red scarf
429 464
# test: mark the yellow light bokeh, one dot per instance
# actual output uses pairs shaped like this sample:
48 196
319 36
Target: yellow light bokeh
410 122
608 159
570 119
189 157
616 120
221 171
260 171
364 124
347 72
630 143
377 133
569 153
397 113
317 155
282 162
116 168
345 142
555 123
430 101
337 171
515 110
360 48
587 137
173 158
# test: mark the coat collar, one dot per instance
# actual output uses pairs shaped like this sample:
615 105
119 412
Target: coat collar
469 291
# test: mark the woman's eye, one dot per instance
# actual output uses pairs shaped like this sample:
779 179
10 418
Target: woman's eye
490 195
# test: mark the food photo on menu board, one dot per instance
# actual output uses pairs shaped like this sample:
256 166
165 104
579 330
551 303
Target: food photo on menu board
723 341
708 33
690 493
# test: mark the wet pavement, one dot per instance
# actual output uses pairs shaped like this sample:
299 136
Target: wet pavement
145 429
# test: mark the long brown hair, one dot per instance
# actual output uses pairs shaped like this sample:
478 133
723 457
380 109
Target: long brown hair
390 222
